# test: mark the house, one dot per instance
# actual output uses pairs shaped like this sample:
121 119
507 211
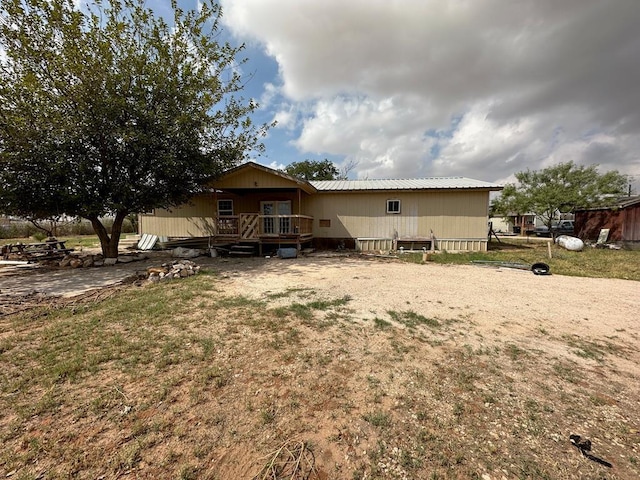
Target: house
621 217
522 224
254 205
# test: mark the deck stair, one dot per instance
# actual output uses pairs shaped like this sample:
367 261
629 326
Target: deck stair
242 250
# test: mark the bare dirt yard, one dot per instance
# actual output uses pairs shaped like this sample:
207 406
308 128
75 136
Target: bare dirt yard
328 367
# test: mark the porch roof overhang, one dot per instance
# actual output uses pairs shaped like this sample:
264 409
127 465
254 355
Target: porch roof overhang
250 177
246 191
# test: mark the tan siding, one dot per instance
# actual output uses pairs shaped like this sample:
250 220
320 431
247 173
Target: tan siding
457 218
203 205
175 226
254 178
451 214
251 202
189 220
194 219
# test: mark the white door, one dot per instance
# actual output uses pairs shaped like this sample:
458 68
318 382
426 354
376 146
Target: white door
268 221
272 221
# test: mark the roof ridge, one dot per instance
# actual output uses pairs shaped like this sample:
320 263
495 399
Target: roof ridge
392 179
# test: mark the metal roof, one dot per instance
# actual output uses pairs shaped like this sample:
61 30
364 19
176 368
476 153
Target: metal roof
622 202
433 183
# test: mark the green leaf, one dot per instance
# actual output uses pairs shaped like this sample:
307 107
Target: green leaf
113 110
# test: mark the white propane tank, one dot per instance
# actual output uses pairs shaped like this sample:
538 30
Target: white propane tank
573 244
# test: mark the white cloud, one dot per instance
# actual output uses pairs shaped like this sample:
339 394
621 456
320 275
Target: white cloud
270 92
276 165
285 118
478 88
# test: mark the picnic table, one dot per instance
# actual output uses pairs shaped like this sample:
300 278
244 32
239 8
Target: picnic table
30 251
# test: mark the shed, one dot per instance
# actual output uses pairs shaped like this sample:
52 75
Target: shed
621 217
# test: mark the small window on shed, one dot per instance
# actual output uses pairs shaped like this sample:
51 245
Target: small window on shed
325 222
393 206
225 207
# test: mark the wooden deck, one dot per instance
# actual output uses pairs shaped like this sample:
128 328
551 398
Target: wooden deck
263 230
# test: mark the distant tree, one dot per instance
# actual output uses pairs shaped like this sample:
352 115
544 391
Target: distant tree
346 169
562 187
313 170
115 111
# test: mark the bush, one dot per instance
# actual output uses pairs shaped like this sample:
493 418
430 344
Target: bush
17 230
24 229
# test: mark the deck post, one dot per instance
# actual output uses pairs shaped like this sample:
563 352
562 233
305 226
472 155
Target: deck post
215 211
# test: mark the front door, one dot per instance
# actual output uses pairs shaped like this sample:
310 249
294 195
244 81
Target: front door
276 217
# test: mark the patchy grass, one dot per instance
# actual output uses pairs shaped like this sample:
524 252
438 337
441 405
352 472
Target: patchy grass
176 380
289 292
75 242
592 349
411 319
305 311
591 262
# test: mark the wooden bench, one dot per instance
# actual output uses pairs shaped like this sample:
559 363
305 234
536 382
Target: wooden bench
51 249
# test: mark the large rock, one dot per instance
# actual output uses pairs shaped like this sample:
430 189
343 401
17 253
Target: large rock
181 252
171 270
76 263
66 261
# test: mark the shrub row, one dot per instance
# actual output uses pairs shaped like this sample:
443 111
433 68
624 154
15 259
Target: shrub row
23 229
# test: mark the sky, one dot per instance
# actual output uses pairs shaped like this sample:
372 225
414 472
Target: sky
422 88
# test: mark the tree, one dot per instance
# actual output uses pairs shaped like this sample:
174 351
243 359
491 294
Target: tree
560 188
313 170
115 111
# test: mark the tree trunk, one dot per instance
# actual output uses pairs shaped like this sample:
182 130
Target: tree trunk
49 231
109 243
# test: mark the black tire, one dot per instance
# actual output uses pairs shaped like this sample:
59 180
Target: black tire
540 269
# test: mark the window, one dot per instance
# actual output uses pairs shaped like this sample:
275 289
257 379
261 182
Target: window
393 206
325 222
225 207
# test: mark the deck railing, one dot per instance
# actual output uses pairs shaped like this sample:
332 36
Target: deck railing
252 226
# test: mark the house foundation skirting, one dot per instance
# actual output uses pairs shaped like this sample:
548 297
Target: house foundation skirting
390 244
462 244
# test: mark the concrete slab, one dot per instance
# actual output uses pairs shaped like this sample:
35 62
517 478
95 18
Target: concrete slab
68 282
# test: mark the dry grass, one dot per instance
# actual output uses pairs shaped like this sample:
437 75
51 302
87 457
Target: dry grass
179 381
591 262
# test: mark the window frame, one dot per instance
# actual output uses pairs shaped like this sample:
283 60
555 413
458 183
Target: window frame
225 210
393 211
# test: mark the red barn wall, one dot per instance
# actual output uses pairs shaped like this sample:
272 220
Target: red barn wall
588 224
623 224
631 224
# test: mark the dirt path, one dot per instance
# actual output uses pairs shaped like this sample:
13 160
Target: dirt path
498 299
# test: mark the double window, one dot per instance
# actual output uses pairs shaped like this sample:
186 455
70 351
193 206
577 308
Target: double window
393 206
